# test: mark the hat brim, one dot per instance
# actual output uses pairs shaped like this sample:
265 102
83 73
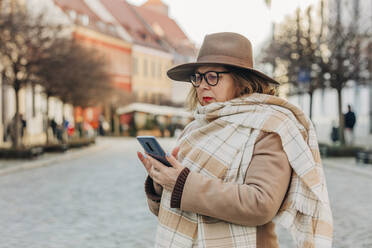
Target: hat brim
182 72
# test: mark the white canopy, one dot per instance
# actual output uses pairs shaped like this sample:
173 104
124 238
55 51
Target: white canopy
153 109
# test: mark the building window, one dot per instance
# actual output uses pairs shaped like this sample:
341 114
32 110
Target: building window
135 66
159 70
154 99
145 67
84 20
153 70
72 14
112 29
101 25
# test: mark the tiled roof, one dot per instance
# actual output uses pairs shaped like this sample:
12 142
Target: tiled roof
125 14
81 8
77 5
173 34
159 2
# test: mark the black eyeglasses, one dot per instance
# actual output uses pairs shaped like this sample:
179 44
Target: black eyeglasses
211 77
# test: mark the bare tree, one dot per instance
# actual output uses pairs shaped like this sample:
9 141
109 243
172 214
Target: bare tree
32 51
75 74
296 48
268 3
327 56
344 62
22 41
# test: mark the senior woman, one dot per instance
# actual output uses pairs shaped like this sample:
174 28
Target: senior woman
248 160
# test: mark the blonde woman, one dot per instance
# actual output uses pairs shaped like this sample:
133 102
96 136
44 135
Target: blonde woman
248 160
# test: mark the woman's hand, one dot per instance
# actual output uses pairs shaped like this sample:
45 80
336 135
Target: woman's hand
147 164
161 174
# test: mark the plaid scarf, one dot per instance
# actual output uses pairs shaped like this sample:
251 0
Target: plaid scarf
219 144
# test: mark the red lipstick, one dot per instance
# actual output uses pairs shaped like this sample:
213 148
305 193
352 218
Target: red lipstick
207 99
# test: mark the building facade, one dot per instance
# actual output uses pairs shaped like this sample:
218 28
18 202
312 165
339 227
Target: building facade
151 55
156 14
139 43
356 94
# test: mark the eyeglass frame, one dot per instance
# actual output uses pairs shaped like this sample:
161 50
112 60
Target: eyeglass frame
203 75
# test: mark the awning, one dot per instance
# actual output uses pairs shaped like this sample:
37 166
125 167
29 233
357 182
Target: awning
153 109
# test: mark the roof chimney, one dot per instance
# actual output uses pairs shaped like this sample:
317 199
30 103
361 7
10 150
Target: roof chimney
157 5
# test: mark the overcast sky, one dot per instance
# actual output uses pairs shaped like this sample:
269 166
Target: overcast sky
251 18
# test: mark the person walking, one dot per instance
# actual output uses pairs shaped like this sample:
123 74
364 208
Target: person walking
248 160
349 121
53 125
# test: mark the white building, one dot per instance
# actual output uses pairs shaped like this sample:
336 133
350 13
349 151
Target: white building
325 110
32 100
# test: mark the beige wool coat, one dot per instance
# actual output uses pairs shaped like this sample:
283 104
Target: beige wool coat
267 181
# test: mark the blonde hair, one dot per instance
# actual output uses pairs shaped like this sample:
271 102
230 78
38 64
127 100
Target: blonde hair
246 83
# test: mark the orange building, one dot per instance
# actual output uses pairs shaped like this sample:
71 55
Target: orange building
151 56
91 31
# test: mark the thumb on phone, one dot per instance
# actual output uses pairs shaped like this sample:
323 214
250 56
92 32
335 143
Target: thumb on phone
173 161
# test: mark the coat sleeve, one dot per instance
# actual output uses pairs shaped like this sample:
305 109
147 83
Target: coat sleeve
254 203
153 198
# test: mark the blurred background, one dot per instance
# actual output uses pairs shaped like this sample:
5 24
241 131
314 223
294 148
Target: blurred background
98 67
74 73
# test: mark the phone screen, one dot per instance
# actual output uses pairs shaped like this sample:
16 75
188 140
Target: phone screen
153 148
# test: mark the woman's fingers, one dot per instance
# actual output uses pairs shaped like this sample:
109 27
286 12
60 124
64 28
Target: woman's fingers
145 161
175 152
148 162
154 174
155 163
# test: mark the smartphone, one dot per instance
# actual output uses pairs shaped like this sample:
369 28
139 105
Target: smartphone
153 148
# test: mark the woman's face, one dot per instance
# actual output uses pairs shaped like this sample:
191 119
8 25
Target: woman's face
223 91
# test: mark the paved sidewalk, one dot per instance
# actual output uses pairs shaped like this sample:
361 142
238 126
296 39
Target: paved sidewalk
8 166
349 164
14 165
94 197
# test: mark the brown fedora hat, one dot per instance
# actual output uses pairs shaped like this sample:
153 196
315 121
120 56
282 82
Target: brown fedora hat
220 49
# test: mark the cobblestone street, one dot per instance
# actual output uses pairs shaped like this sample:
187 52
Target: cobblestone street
97 200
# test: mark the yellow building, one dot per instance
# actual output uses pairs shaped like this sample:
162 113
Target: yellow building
156 15
151 56
149 80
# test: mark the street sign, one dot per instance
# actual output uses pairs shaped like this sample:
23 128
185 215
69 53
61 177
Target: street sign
304 76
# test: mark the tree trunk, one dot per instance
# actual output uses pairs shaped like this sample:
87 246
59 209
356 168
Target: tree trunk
16 128
311 104
63 113
370 109
64 129
341 117
3 102
33 100
47 120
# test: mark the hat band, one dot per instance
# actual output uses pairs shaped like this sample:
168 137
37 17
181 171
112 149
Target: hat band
222 59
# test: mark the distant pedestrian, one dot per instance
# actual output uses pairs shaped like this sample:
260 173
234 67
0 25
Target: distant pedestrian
23 125
349 120
53 125
59 133
334 132
249 159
